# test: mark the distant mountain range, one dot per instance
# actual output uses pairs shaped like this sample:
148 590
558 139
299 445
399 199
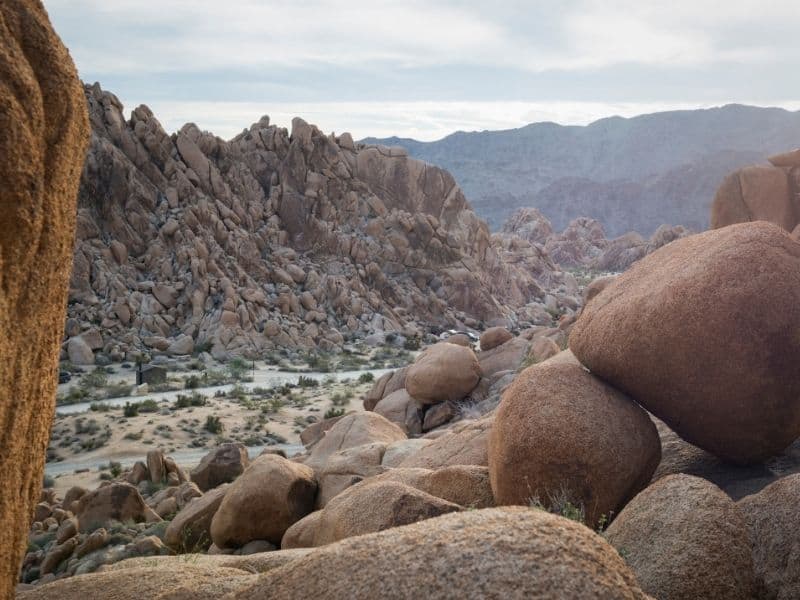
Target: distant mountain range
630 174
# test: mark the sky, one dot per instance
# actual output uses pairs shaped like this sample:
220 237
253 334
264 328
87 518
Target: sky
427 68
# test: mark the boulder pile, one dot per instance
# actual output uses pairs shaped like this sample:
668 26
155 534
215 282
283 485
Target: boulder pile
275 239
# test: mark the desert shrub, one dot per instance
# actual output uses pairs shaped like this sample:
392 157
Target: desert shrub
366 377
184 401
192 382
237 369
213 424
100 407
334 412
131 409
96 379
307 382
411 343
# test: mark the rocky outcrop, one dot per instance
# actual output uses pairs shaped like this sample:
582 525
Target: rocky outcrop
43 137
584 244
562 436
443 372
222 465
274 239
729 383
684 538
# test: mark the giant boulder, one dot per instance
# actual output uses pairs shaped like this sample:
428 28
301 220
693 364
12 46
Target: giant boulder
44 131
704 334
562 435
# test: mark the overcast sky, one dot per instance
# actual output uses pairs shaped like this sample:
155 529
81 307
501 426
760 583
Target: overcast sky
426 68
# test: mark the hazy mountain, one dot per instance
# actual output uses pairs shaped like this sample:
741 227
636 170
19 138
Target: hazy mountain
629 174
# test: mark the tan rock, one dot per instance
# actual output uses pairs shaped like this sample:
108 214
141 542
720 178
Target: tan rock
353 430
466 444
771 518
117 502
443 372
302 533
755 194
543 348
562 435
401 409
222 465
269 497
715 384
374 506
474 554
684 538
494 337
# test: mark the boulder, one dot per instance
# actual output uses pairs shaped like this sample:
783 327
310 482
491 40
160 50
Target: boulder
301 534
117 502
684 538
347 468
353 430
79 352
401 409
771 518
755 194
182 345
786 159
443 372
397 452
222 465
465 485
314 432
151 581
155 465
373 506
596 286
466 444
542 348
507 357
729 383
190 529
272 494
492 553
562 435
494 337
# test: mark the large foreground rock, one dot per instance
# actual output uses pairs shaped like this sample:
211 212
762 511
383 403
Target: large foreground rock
271 495
373 506
492 553
757 193
562 435
703 333
443 372
772 520
44 131
684 538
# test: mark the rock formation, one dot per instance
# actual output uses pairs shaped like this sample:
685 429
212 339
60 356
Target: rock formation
583 242
273 239
703 333
43 136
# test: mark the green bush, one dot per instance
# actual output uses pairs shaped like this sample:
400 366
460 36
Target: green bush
238 368
366 378
213 425
184 401
131 410
334 412
307 382
100 407
192 382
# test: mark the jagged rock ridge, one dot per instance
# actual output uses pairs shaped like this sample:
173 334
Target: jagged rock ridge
272 239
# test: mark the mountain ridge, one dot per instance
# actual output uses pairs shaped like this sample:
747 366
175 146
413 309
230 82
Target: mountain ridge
640 171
